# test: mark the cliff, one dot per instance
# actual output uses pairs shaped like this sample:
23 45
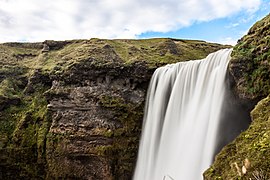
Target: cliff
73 109
248 156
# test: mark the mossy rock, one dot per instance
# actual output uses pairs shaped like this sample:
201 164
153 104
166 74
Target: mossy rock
250 63
248 155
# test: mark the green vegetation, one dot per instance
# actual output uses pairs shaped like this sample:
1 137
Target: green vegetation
125 140
23 131
253 53
161 51
9 88
23 116
251 150
101 52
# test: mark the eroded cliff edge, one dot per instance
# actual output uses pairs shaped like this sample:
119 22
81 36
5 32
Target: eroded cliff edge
248 156
74 109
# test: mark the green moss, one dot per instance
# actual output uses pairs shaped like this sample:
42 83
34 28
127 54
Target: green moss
8 124
253 52
42 137
161 50
109 101
9 88
29 120
102 52
253 144
53 143
23 128
9 70
123 149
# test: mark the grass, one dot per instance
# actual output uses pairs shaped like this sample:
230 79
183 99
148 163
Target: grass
101 52
9 88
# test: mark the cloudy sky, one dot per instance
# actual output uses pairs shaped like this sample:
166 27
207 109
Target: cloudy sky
222 21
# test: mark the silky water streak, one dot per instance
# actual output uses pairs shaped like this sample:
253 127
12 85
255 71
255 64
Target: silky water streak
181 119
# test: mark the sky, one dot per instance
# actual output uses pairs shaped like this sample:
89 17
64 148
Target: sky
221 21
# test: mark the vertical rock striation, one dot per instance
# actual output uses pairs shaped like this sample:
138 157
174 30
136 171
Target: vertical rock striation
96 117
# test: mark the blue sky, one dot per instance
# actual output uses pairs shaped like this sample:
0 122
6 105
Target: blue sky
210 20
225 30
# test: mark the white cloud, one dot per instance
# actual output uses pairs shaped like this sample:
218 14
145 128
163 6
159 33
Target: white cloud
37 20
228 41
232 25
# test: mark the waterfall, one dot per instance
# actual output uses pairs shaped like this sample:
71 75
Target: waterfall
181 119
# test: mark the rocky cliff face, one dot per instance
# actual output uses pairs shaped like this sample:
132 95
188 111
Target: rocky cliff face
74 109
247 157
96 118
250 63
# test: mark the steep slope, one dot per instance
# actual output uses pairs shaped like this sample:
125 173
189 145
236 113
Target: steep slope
73 109
248 156
250 62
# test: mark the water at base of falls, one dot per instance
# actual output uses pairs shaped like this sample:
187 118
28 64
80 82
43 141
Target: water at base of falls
181 119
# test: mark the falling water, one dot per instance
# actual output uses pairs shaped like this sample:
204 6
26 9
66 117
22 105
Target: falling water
181 119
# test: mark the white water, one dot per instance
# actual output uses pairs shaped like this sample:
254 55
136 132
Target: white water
181 118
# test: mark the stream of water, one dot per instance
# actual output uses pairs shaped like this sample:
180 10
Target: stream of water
181 119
